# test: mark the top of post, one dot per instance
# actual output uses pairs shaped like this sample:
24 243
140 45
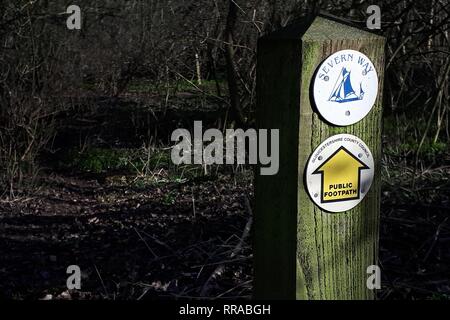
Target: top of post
322 27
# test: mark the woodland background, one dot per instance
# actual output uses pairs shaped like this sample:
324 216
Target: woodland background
85 124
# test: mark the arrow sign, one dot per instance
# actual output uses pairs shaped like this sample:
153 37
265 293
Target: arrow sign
340 176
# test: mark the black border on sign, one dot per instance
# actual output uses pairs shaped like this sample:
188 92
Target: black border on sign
317 171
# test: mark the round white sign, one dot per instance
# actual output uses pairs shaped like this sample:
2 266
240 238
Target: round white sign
345 87
339 173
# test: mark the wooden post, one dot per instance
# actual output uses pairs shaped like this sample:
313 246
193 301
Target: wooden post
301 251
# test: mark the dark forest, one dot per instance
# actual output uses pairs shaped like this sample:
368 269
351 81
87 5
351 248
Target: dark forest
86 118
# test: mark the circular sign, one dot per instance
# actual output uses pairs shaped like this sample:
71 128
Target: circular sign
339 173
345 87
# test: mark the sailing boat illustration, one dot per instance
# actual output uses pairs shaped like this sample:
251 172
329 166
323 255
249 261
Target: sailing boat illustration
343 90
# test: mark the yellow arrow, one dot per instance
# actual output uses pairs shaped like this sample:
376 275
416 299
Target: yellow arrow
341 174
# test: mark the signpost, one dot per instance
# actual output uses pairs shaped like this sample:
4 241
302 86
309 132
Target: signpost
317 220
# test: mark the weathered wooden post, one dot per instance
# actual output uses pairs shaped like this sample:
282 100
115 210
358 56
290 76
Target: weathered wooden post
317 220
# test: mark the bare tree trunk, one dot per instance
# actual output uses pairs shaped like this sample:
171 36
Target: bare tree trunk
236 109
198 70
